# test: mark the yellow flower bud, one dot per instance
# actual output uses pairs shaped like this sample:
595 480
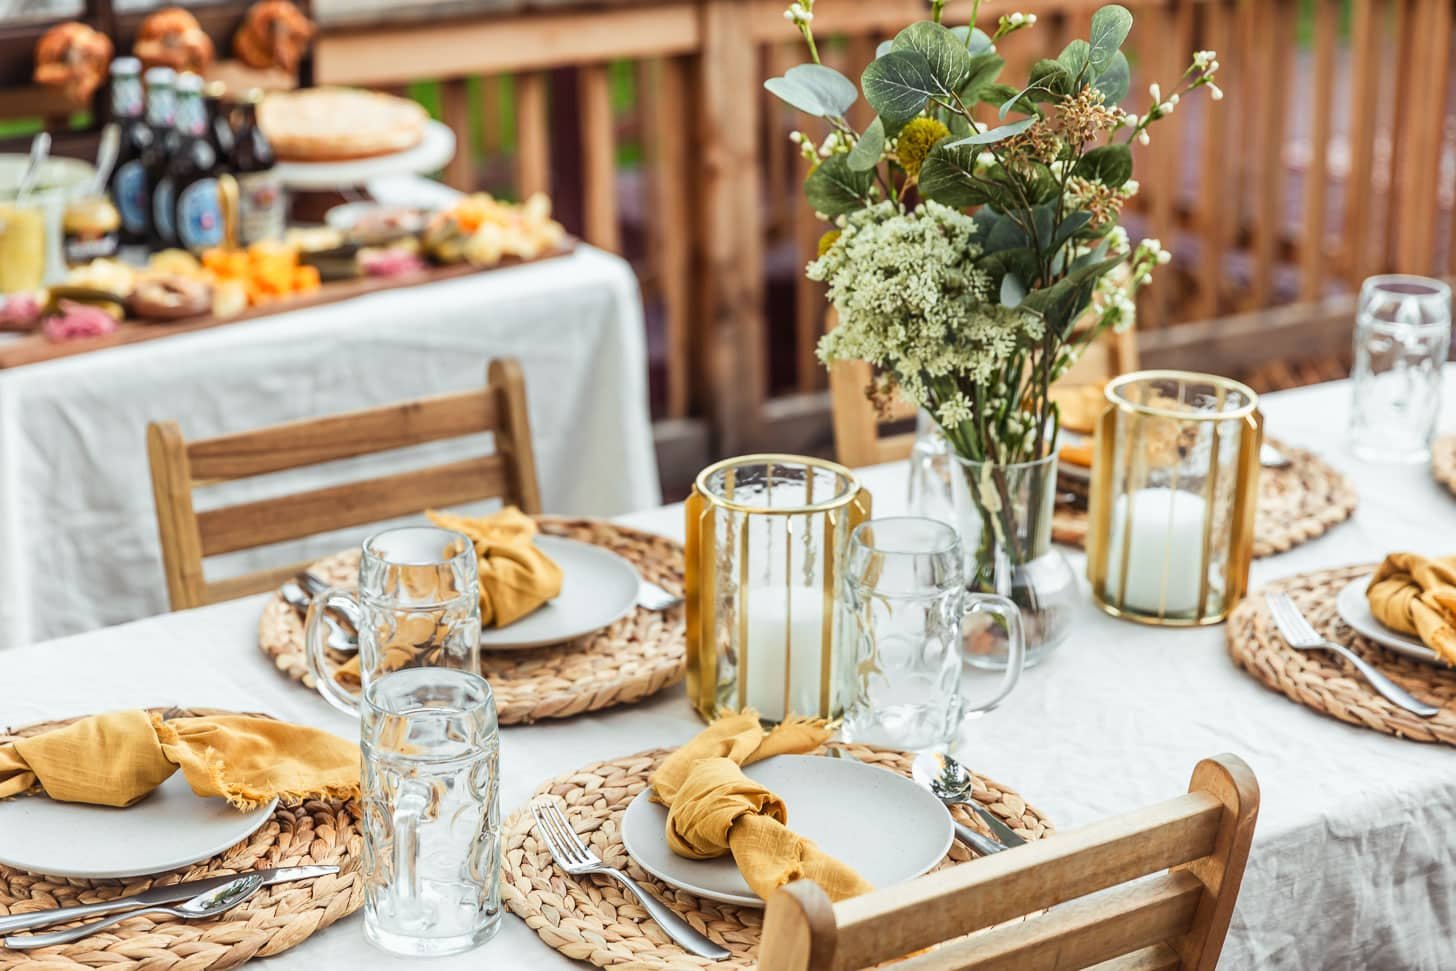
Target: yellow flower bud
828 240
916 140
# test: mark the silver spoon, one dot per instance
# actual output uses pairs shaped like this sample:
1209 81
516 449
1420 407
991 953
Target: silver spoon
208 904
40 147
106 157
951 783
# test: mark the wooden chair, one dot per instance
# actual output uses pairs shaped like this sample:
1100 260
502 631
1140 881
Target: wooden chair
179 466
857 438
1073 900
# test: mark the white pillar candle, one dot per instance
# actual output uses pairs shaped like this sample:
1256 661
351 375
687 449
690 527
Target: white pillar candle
1165 562
784 627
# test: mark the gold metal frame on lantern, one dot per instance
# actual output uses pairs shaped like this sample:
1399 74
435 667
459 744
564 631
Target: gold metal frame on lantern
1241 543
702 673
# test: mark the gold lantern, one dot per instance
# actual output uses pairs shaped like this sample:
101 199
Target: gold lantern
765 535
1175 485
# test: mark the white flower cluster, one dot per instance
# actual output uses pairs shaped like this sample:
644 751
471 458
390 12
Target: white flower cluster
799 12
912 302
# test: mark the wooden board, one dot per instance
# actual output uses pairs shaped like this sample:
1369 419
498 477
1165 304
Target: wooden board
35 348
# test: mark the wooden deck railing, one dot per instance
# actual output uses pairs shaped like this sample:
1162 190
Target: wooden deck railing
1330 158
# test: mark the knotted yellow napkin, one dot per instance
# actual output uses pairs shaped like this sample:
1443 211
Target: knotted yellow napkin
1417 595
713 808
117 758
515 576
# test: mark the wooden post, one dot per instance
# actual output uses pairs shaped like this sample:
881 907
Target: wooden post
599 160
671 185
1365 38
731 258
533 155
1317 174
455 107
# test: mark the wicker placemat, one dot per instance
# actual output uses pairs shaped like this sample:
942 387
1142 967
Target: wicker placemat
1297 503
1326 682
274 919
594 919
637 656
1443 461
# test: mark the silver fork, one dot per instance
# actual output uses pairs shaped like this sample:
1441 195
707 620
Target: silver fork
1301 636
579 860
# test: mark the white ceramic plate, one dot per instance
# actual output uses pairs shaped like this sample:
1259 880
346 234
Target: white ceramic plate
598 588
168 829
877 821
434 151
1354 610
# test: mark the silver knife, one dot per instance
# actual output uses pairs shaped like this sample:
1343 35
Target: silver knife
157 895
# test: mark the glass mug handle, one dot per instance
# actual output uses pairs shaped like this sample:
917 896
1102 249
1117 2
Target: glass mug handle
315 640
414 799
1010 615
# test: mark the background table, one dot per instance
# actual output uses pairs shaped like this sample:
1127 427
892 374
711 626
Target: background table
78 536
1352 861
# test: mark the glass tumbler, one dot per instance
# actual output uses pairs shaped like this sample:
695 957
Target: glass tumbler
431 792
904 585
1402 338
418 605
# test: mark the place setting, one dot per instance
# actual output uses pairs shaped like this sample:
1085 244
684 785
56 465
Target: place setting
212 835
564 615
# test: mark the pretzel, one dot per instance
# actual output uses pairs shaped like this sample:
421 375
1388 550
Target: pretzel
74 58
275 33
173 38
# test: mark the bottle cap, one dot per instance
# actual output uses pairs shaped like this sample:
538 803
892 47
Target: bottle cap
253 96
189 83
126 65
215 89
160 75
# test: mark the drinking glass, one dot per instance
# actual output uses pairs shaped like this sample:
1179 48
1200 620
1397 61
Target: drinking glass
418 605
1402 338
905 587
431 794
931 465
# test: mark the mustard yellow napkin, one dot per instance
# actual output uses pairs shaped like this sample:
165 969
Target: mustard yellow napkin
117 758
515 576
714 809
1416 595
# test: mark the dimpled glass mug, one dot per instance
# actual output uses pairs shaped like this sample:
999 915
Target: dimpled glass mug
431 793
418 605
904 584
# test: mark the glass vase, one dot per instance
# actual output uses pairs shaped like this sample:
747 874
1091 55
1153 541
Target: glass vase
1004 514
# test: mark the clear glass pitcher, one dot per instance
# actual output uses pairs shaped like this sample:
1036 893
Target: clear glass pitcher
431 792
418 605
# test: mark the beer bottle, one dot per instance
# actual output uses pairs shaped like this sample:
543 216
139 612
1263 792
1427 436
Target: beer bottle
219 123
187 201
161 120
128 185
262 208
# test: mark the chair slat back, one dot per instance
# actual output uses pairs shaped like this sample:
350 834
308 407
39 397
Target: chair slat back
1080 897
178 467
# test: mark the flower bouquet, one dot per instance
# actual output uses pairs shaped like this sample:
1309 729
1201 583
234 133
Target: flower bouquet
975 250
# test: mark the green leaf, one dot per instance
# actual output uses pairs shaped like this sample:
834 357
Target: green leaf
1114 79
1043 186
835 189
869 149
884 47
1051 78
1110 27
1072 224
1061 303
947 177
815 90
950 62
1021 262
984 68
1111 165
996 134
973 39
898 85
1013 291
1075 58
1002 233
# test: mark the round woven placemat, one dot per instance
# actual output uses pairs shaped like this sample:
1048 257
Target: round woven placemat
1297 503
594 919
1326 682
272 920
637 656
1443 461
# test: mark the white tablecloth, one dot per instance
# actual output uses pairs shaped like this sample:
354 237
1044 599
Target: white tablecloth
1353 856
78 535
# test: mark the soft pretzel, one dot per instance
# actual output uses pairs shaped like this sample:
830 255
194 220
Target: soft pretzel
170 296
74 58
173 38
275 33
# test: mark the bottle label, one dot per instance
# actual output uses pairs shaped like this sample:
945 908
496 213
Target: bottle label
126 97
162 201
129 195
199 216
81 248
261 214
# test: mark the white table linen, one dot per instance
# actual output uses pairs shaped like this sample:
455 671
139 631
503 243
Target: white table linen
1353 855
78 535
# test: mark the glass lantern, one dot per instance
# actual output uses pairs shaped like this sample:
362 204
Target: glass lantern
1175 486
765 624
